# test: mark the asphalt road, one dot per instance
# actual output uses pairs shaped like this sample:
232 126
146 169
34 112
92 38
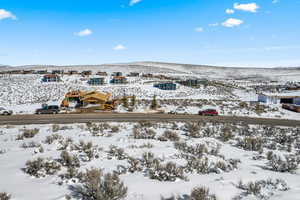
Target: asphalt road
133 117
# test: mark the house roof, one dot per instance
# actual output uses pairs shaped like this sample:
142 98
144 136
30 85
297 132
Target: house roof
51 76
119 77
97 78
295 94
97 95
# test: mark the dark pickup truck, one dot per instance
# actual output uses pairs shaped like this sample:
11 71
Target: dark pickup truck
48 110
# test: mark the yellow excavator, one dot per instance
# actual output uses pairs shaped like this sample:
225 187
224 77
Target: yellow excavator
82 98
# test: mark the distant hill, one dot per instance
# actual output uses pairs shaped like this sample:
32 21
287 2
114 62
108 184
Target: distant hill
200 71
5 67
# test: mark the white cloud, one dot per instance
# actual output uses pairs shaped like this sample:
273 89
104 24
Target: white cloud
199 29
132 2
275 1
249 7
229 11
120 47
214 24
4 14
84 33
232 22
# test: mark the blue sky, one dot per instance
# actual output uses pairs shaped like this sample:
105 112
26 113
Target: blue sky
229 32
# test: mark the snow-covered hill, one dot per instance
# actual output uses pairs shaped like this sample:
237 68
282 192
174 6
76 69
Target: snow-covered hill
206 71
229 72
5 68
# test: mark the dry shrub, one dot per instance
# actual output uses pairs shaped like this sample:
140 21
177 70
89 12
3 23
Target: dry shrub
4 196
41 167
193 130
226 134
251 143
198 193
289 163
99 186
65 144
28 133
146 133
134 165
262 189
148 160
115 152
197 150
147 124
200 166
115 129
71 173
97 129
31 144
202 193
243 104
169 135
51 138
167 172
69 160
56 128
87 148
147 145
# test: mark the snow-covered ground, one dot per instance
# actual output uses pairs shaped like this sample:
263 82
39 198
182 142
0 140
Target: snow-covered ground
221 157
228 142
25 93
27 90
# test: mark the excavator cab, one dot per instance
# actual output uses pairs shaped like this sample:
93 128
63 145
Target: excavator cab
65 103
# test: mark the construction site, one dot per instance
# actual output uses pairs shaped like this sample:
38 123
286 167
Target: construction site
84 101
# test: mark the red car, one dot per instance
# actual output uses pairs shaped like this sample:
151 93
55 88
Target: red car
208 112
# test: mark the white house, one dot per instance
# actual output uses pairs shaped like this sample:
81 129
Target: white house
280 98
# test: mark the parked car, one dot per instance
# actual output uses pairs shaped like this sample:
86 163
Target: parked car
209 112
4 111
179 110
51 109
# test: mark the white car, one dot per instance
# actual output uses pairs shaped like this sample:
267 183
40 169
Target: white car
179 110
4 111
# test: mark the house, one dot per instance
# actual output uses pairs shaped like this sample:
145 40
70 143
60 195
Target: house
147 75
101 74
15 72
193 82
280 98
57 71
41 72
86 73
95 98
134 74
165 86
96 81
51 78
71 72
28 72
117 74
118 80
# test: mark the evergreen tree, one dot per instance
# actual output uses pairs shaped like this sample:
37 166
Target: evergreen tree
133 101
154 103
125 101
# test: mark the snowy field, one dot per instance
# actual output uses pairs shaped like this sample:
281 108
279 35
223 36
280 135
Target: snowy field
154 161
28 91
151 161
25 93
